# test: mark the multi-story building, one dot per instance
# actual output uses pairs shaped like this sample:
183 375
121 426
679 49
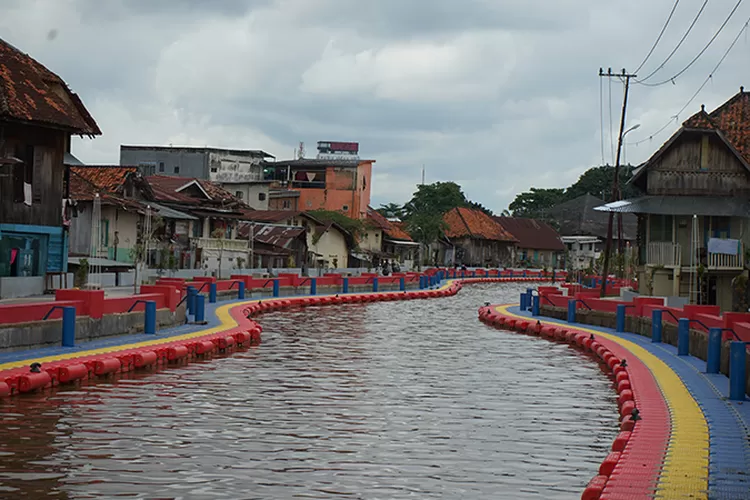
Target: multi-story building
38 116
337 180
693 219
238 171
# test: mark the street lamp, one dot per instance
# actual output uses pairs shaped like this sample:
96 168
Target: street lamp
637 125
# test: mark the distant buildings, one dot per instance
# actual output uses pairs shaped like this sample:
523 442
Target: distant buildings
241 172
38 116
539 245
477 240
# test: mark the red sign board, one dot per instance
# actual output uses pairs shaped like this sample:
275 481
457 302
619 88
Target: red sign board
330 147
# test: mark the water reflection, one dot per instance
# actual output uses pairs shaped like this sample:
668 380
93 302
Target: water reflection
386 400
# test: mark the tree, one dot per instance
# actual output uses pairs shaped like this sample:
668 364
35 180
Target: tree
435 199
479 206
536 202
425 229
597 181
391 211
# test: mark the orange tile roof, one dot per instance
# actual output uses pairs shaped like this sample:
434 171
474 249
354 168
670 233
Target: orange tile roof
471 223
32 93
109 178
732 119
83 190
531 233
391 229
165 189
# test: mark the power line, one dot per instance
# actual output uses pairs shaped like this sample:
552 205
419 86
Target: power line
679 44
703 85
695 59
658 39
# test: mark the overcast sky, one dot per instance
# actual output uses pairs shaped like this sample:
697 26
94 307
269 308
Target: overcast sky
496 95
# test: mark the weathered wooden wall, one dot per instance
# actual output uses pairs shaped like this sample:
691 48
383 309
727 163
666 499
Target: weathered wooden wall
693 166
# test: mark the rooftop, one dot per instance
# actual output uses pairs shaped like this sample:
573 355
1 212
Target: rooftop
253 153
29 92
391 229
109 178
531 233
472 223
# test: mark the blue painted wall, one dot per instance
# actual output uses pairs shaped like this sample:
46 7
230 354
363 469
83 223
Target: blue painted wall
56 253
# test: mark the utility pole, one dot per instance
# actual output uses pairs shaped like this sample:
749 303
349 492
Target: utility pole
616 183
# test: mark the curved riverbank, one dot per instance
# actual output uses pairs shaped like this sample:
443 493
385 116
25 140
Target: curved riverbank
689 441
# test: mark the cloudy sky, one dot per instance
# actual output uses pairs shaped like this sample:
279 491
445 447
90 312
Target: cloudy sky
497 95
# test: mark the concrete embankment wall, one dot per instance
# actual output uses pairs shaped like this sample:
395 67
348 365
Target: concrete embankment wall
36 334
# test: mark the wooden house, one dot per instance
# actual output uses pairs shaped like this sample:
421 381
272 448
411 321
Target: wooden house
539 245
38 116
693 220
477 239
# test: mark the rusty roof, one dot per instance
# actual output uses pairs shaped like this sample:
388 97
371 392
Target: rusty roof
277 236
391 229
272 216
82 189
531 233
168 189
29 92
465 222
109 178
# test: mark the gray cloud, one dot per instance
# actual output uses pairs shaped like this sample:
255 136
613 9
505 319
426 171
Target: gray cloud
497 95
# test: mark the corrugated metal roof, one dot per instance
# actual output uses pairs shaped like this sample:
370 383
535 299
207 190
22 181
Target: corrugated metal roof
681 205
171 213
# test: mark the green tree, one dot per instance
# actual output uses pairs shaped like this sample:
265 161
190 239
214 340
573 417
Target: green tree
479 206
597 181
536 202
435 199
391 211
426 228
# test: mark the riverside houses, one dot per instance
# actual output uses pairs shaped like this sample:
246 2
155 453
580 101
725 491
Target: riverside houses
694 219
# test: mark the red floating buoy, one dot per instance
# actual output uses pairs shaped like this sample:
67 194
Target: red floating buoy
204 347
106 365
178 351
242 338
144 358
621 441
73 372
595 488
4 390
32 381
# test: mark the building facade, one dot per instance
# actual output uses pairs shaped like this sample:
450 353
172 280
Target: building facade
238 171
539 245
693 220
38 116
477 240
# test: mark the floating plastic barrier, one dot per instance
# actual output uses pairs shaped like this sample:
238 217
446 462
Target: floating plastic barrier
144 358
204 347
106 365
224 342
4 389
72 372
621 441
595 488
242 338
32 381
176 352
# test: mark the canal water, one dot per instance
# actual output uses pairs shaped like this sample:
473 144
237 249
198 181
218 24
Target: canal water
378 401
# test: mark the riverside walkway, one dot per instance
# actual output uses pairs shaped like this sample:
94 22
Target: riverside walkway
690 441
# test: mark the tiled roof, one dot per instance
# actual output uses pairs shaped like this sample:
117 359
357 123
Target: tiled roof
83 190
531 233
32 93
700 120
468 222
391 229
733 119
109 178
165 189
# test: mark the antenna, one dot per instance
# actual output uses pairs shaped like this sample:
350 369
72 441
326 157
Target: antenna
301 151
423 174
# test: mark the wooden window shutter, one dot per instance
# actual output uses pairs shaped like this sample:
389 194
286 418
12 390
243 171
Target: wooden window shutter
42 170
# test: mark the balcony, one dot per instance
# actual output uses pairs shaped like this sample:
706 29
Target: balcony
665 254
670 255
221 244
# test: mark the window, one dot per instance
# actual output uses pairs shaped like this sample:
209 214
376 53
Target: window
176 169
104 233
261 196
661 228
161 166
345 207
214 170
238 194
287 204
